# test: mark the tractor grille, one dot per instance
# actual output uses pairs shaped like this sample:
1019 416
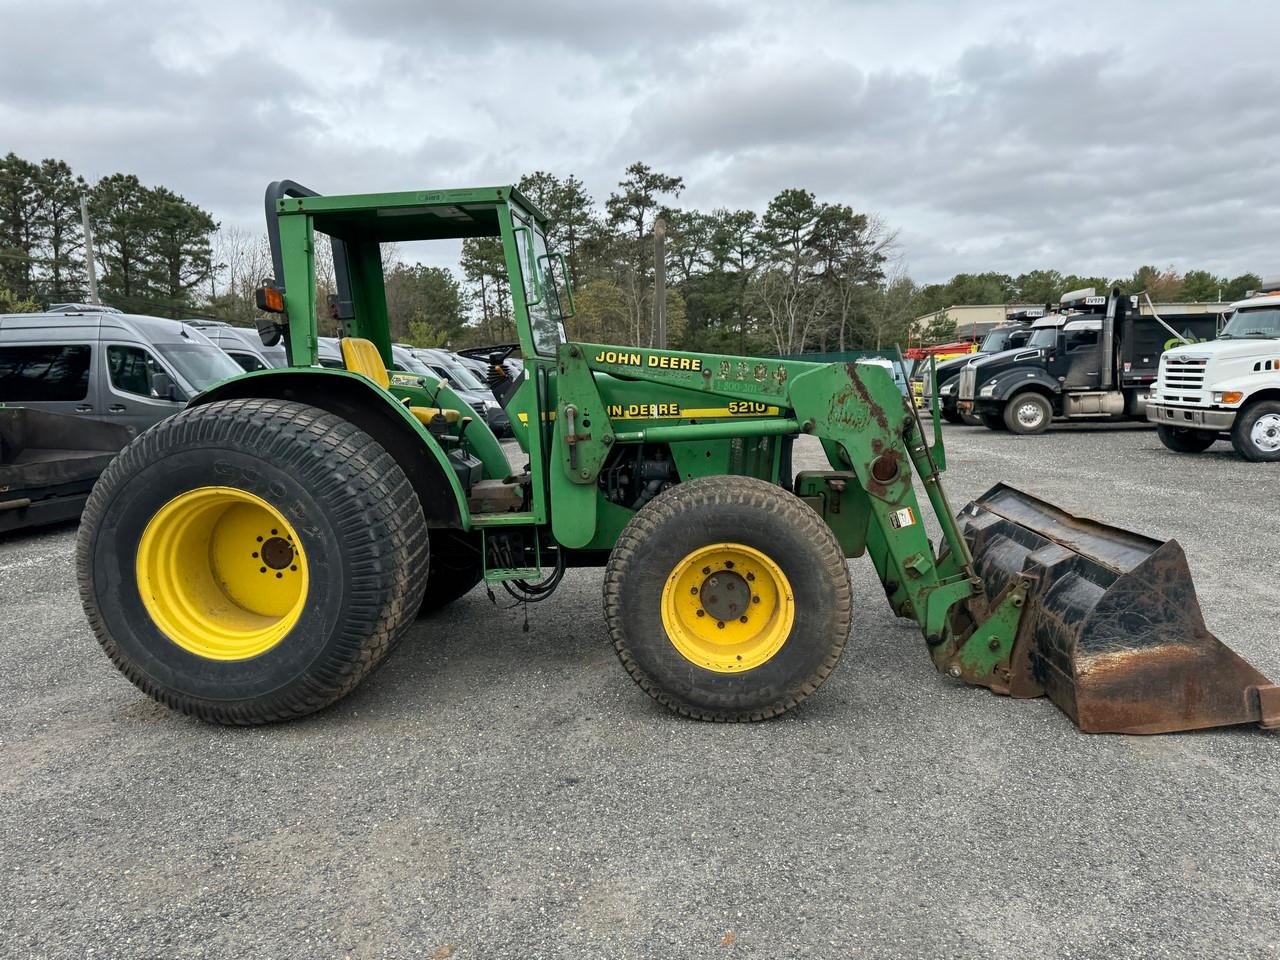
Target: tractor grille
1181 378
968 380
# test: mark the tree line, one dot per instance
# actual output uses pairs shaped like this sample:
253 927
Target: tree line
801 275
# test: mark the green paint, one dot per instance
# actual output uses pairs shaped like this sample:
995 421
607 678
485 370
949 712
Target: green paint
715 414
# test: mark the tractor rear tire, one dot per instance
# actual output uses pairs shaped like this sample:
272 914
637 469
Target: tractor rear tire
251 560
1028 413
454 569
1183 440
728 599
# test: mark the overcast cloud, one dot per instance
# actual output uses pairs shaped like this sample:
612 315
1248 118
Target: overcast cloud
1086 136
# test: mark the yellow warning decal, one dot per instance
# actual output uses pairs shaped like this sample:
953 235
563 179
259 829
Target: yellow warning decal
673 411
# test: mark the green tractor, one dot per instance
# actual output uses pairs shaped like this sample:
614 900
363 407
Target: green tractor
254 557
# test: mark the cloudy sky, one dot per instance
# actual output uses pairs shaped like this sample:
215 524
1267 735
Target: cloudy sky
1086 136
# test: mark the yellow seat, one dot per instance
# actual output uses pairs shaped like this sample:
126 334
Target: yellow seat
362 357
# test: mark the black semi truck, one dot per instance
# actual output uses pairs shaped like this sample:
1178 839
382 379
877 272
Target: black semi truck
1095 358
1014 332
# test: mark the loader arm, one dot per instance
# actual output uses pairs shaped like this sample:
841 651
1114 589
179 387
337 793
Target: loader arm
871 436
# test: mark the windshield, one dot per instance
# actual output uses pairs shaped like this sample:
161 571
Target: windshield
542 297
1043 337
198 364
1261 323
462 375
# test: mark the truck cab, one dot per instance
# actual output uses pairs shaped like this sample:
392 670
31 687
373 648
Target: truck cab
1227 388
1093 359
1010 335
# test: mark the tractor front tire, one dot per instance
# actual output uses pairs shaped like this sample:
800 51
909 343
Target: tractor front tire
251 560
728 599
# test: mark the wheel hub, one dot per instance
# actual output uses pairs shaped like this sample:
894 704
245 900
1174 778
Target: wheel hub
277 553
221 573
1266 432
728 607
1029 415
725 595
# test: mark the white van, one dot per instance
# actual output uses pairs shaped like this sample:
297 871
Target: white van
100 363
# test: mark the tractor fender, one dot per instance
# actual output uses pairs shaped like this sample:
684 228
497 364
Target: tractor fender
1009 382
377 413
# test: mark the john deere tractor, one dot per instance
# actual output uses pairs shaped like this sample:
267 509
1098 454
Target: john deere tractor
256 556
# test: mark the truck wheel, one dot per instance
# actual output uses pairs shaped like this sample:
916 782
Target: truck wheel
1182 440
952 416
1028 413
1256 433
973 420
251 560
727 599
454 568
992 421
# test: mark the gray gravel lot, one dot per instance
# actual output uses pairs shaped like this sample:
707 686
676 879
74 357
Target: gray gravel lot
495 793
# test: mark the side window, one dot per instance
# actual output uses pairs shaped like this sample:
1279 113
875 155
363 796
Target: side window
130 369
248 361
1080 339
44 373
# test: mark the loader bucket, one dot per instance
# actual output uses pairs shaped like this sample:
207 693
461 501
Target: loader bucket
1112 630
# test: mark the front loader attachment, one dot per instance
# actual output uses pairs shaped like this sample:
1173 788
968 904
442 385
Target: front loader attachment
1112 630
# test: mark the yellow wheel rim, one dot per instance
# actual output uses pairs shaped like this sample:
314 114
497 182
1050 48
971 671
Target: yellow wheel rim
222 573
727 607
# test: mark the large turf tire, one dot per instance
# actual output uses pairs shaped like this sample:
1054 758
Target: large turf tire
455 567
727 510
358 521
1028 413
1254 434
1183 440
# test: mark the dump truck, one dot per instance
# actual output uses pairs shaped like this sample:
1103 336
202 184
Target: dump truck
258 555
1228 388
1095 358
943 377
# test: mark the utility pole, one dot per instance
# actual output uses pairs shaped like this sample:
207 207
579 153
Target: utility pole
89 266
660 282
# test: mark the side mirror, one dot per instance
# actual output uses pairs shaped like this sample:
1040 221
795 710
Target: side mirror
163 387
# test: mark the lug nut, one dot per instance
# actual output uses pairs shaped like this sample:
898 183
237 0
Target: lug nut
954 670
720 624
728 564
702 613
742 619
755 599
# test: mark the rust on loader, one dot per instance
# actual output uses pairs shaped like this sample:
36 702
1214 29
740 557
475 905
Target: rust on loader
1112 631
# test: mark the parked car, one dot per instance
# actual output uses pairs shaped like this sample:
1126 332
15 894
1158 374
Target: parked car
464 382
241 344
102 364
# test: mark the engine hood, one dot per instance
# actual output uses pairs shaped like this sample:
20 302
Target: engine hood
1225 349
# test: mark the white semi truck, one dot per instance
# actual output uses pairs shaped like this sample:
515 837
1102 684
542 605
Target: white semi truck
1228 388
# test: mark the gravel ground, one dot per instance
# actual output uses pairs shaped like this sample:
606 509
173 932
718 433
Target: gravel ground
496 793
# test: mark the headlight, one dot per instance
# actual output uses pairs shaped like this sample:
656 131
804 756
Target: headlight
988 390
